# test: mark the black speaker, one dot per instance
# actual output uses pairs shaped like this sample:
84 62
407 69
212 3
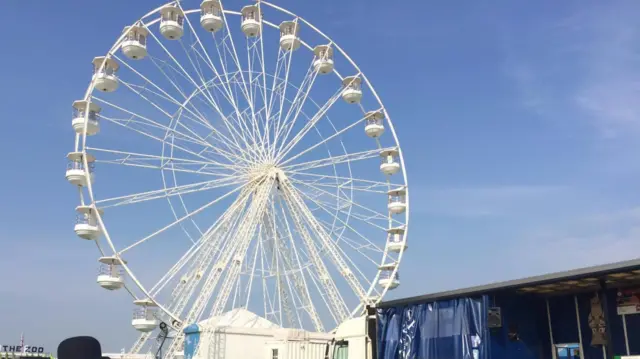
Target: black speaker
494 317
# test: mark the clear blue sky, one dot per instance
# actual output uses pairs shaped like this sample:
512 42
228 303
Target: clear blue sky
519 124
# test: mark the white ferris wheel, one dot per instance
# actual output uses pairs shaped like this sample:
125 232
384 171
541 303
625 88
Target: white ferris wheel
237 159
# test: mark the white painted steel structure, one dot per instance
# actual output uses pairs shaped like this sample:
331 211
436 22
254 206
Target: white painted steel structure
276 184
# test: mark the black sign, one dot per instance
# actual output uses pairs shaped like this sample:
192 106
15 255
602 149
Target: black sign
19 349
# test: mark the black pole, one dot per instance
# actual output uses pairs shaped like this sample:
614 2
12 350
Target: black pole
604 301
164 333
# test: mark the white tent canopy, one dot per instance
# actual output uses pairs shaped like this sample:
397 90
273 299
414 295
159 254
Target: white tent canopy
237 318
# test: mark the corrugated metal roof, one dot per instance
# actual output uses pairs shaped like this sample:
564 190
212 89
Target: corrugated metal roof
608 272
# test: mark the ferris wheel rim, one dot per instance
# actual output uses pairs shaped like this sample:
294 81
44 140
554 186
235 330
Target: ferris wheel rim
89 186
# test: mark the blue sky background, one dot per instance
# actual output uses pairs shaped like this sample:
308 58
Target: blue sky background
519 123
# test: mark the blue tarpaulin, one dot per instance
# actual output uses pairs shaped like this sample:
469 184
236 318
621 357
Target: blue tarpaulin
192 339
450 329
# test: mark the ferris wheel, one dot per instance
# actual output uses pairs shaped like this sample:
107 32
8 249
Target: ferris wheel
237 158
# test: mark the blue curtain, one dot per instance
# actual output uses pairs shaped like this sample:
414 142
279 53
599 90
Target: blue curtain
388 332
452 329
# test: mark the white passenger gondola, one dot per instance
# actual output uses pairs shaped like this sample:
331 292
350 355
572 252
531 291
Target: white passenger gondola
134 44
75 169
104 74
251 18
323 63
144 317
79 114
210 15
397 200
110 275
352 92
171 22
289 35
386 278
395 241
374 124
390 162
87 222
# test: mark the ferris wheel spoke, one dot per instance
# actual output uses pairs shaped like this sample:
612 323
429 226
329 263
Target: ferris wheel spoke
286 288
142 340
334 160
247 118
140 90
207 261
218 136
163 92
252 273
231 99
193 138
235 134
318 282
261 111
187 216
309 125
253 57
246 234
173 145
167 192
210 263
342 183
263 67
223 84
163 167
372 214
356 246
236 59
278 300
178 266
278 90
182 106
217 261
127 158
228 95
289 57
252 133
202 249
201 118
350 183
337 304
240 149
282 266
353 244
251 268
176 62
335 135
265 290
345 223
328 244
161 65
210 97
295 109
174 135
299 280
213 244
348 210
